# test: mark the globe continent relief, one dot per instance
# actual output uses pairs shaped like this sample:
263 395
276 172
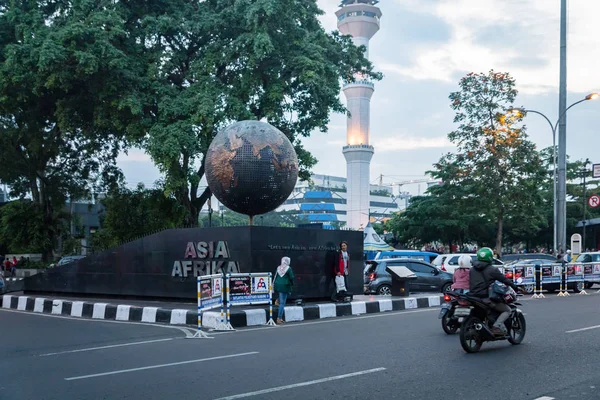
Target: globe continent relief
251 167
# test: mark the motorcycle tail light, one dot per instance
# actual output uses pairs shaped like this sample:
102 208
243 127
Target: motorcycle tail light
447 298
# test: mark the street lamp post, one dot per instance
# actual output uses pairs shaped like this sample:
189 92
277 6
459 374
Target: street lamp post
583 221
554 127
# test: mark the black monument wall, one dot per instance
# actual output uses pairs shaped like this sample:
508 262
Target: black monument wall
165 265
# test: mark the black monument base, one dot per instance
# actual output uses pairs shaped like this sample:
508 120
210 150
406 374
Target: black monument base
166 264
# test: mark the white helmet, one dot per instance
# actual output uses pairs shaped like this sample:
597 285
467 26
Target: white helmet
464 261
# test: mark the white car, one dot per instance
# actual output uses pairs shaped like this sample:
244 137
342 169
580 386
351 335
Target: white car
449 262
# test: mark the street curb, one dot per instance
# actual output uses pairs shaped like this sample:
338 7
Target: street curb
255 317
103 311
210 319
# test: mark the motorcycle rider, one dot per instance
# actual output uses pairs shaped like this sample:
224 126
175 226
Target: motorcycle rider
460 280
482 275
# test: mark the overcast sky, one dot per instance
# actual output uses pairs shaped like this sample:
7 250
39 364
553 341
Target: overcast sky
424 47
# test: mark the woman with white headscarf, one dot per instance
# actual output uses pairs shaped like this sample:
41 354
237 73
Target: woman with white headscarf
284 281
461 276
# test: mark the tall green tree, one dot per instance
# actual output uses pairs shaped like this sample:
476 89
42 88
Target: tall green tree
67 97
19 227
130 214
214 62
494 158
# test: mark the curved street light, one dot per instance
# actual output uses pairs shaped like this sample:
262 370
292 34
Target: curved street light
524 111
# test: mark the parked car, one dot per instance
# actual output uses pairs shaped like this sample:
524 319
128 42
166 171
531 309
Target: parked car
449 262
510 258
68 259
588 257
426 256
429 278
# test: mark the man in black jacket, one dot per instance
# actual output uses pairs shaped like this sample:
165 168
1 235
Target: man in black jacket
482 275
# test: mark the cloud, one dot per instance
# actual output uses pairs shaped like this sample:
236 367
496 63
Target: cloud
517 36
403 142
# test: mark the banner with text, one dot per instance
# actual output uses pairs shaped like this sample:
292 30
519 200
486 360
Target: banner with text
591 271
522 274
210 291
248 289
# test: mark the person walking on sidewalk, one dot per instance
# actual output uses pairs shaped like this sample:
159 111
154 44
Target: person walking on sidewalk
284 281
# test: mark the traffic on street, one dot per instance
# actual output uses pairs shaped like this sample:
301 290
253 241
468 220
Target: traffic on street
392 355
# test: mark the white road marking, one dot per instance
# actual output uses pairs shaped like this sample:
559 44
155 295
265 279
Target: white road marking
123 371
187 331
583 329
545 398
327 321
106 347
296 385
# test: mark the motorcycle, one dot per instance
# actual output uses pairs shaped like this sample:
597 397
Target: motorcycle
450 323
479 318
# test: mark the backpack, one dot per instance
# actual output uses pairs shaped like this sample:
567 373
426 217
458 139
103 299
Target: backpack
498 291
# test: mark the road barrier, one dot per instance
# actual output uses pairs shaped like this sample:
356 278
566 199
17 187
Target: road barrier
525 275
210 295
248 289
562 292
591 272
559 274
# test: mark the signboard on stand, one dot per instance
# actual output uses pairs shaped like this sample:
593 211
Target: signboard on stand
551 274
523 274
246 289
210 291
574 273
591 272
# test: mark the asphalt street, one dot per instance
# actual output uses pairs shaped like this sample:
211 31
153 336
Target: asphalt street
401 355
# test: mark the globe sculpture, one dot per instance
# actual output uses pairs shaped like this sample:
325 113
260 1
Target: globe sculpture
251 167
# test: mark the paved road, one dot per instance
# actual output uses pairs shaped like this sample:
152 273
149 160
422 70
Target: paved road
403 355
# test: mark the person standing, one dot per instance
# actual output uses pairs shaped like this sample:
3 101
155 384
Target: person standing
284 282
13 267
341 266
568 258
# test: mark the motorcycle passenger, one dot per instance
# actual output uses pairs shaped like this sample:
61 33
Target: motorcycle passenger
461 274
483 274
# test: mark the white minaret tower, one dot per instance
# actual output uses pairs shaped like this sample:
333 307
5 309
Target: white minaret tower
359 18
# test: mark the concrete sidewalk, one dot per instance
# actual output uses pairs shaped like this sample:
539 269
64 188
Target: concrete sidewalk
186 313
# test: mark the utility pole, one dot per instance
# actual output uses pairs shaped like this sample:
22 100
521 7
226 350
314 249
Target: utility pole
584 197
562 134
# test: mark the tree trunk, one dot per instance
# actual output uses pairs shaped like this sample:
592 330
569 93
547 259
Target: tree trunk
499 233
48 214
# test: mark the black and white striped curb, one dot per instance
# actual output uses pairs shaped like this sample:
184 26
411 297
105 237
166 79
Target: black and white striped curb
107 311
13 279
254 317
211 319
